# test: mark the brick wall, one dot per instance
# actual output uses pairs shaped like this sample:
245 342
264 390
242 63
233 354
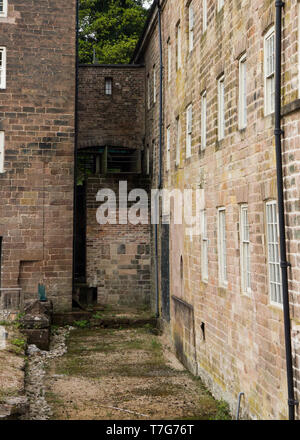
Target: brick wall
243 347
117 119
118 256
37 114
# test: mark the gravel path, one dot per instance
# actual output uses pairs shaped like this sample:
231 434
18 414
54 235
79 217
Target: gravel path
122 374
35 375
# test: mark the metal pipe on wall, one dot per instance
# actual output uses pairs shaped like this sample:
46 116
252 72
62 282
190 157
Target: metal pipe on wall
160 152
75 147
281 212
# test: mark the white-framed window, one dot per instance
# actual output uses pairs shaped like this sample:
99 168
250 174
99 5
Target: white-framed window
168 148
275 286
204 246
203 120
2 67
2 139
148 92
3 8
269 68
178 48
169 60
191 27
189 130
222 251
178 136
220 4
204 15
243 92
245 250
154 84
221 108
108 86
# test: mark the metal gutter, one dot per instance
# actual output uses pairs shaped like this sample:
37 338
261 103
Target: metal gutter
157 3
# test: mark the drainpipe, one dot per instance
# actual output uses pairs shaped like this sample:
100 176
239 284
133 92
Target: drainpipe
281 214
160 95
160 152
75 149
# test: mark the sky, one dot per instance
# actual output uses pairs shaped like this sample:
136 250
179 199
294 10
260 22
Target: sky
148 3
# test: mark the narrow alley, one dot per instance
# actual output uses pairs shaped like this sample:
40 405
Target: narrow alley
123 374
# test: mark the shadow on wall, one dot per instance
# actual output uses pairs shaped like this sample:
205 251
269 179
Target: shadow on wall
183 330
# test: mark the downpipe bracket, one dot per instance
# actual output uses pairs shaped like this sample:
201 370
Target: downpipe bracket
278 132
293 402
285 264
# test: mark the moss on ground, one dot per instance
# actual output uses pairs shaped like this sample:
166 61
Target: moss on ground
99 355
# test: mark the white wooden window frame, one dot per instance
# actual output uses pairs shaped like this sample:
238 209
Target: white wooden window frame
148 92
204 15
189 130
168 148
178 139
222 249
274 270
169 60
178 47
220 4
3 68
203 120
243 92
2 151
3 8
245 250
154 85
204 246
221 108
191 26
269 71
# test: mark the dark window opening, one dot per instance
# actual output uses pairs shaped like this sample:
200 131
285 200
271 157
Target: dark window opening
181 267
108 86
203 330
111 160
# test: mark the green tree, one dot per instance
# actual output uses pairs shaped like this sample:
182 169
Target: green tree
111 28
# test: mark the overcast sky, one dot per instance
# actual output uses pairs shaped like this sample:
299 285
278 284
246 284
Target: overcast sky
148 3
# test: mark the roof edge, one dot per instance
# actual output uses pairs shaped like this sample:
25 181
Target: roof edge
142 38
114 66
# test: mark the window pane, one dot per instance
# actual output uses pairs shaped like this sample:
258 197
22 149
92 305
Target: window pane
204 256
108 86
273 253
1 151
222 247
245 250
203 121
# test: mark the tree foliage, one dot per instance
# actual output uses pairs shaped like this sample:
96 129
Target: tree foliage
111 28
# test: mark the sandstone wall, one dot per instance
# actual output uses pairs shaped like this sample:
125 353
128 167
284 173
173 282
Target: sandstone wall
116 119
118 255
37 115
242 348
